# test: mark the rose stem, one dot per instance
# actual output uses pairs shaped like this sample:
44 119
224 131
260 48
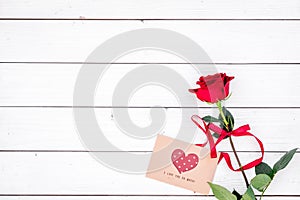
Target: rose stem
232 145
262 194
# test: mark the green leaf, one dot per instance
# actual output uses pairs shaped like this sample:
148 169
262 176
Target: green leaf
261 181
238 196
264 168
229 118
249 194
284 160
210 119
221 193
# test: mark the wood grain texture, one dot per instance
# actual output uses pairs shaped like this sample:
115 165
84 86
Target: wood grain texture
80 173
53 85
224 41
54 129
155 9
127 197
44 43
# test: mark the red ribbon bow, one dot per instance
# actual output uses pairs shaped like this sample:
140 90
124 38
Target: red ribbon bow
241 131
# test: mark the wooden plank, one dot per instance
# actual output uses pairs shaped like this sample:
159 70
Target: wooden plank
132 9
53 85
54 129
79 173
130 197
224 41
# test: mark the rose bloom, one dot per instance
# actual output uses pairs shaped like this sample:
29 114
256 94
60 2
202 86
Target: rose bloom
213 88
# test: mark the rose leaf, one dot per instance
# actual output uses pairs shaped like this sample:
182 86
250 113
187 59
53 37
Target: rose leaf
261 181
221 193
264 168
284 160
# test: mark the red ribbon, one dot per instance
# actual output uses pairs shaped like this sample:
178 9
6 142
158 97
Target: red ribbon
210 139
241 131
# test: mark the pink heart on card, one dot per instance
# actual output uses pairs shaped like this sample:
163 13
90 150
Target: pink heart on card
184 163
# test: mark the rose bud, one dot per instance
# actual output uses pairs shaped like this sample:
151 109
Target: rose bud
213 88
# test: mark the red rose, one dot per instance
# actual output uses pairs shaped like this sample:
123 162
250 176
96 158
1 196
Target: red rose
213 88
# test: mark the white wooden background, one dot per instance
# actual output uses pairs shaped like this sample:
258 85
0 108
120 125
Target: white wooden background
44 42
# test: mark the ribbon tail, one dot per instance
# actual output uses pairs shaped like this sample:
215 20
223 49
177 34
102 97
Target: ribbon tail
250 164
210 140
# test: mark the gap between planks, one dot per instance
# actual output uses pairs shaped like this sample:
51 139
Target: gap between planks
149 19
133 63
86 151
